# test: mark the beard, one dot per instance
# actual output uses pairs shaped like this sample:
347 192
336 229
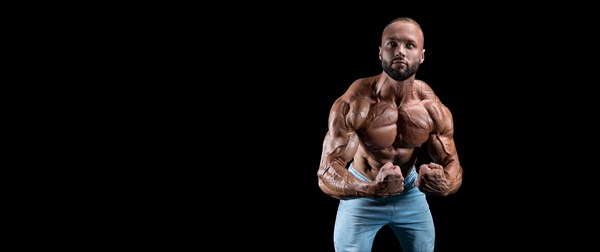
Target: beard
399 75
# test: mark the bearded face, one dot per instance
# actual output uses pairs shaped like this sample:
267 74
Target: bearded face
401 51
399 71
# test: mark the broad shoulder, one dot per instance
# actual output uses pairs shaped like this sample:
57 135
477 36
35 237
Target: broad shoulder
438 111
352 106
440 115
424 91
360 89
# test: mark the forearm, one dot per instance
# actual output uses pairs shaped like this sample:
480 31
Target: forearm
453 177
336 181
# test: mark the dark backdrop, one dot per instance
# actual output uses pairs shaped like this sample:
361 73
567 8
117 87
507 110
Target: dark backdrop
336 50
240 99
306 61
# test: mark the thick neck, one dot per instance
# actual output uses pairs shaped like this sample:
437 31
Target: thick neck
399 92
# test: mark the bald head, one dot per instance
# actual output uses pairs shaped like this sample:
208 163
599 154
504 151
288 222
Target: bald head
391 26
404 20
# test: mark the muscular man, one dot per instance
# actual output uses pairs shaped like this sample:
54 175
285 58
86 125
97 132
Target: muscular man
369 153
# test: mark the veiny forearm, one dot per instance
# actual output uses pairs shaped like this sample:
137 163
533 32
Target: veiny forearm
453 174
336 181
443 151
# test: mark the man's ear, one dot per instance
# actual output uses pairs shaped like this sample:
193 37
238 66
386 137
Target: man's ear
422 56
380 53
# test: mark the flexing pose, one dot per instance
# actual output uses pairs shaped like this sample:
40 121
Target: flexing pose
369 153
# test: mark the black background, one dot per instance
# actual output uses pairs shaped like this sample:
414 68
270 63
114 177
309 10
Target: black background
239 102
334 51
305 61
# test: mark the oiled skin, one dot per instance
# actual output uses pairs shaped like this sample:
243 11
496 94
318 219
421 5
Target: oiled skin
381 122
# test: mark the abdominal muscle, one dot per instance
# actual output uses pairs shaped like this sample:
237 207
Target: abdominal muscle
369 163
391 134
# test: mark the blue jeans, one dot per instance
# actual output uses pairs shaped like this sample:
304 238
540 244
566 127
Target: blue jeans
406 213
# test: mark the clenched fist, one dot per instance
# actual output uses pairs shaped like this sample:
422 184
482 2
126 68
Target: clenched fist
432 179
389 180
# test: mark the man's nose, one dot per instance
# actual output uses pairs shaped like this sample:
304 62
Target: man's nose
400 51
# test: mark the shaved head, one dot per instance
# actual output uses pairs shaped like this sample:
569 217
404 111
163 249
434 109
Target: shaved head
406 20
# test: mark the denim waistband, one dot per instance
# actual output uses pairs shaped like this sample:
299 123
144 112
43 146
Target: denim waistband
410 181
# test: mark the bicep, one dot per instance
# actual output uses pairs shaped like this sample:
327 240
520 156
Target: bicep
341 141
441 148
340 146
441 144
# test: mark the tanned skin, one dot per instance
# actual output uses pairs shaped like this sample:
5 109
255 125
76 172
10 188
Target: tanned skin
381 122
